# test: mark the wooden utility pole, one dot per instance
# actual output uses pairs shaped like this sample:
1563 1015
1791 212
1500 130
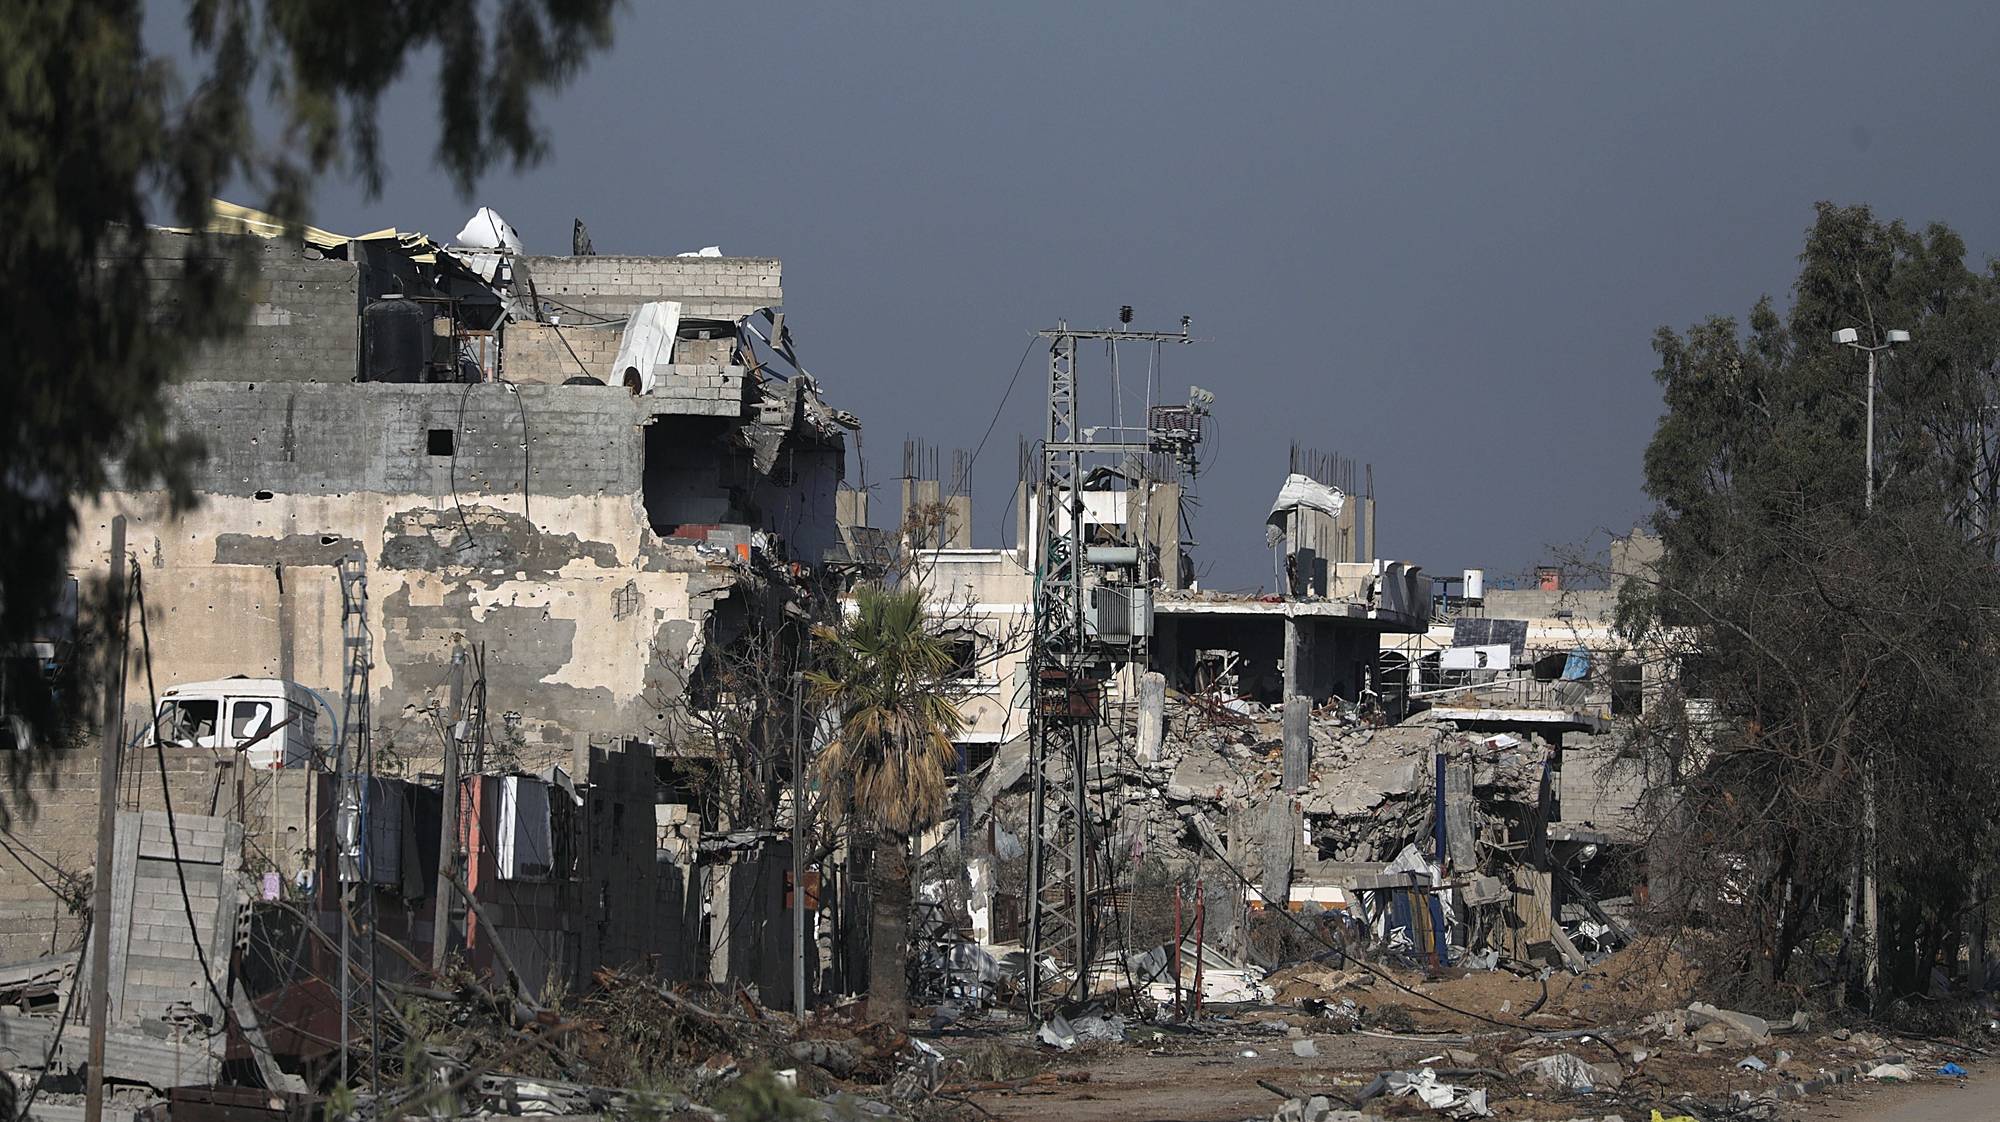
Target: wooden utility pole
107 815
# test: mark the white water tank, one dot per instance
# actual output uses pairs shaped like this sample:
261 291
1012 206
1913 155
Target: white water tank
1475 584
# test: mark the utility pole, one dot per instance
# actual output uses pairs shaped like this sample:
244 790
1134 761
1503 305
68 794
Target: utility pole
1066 664
107 815
352 790
798 847
442 899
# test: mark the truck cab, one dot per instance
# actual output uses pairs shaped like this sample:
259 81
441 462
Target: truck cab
240 714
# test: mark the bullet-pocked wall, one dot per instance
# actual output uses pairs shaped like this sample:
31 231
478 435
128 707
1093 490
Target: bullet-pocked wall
574 529
511 516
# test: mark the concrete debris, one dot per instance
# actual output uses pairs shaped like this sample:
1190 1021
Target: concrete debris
1318 1108
1735 1026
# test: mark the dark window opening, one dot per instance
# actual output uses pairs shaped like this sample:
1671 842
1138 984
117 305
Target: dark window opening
964 654
1628 689
562 834
977 756
443 442
263 496
687 476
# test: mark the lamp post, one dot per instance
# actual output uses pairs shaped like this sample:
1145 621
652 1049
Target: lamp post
1870 913
1849 337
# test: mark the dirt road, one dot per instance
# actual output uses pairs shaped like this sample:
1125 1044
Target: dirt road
1201 1080
1976 1099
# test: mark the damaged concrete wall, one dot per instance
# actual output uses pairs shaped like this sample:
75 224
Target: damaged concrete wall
541 551
550 353
303 323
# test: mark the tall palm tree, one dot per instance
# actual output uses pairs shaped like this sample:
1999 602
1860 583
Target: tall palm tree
883 671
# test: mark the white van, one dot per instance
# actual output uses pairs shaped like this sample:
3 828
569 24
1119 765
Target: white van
235 712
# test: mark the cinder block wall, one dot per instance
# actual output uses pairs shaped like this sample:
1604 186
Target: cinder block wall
535 352
334 440
304 323
51 831
707 287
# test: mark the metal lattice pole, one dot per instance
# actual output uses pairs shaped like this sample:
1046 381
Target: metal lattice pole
1064 664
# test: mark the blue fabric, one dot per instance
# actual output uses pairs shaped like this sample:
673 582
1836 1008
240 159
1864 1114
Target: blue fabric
1578 666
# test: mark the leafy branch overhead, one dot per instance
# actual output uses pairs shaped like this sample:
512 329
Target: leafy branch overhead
100 136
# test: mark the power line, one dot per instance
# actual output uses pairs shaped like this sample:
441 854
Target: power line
965 481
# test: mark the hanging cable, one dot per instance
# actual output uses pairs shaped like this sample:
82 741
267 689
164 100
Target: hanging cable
997 410
167 805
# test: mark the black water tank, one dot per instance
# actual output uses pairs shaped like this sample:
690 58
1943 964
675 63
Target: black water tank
395 337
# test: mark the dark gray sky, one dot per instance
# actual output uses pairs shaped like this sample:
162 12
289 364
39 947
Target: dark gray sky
1436 238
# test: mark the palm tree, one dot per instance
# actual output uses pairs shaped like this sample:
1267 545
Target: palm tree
882 670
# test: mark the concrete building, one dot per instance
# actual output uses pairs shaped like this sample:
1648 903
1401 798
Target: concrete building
458 425
1320 641
610 474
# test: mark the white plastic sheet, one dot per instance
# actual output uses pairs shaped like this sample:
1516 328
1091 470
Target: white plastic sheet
1459 1102
1301 491
648 343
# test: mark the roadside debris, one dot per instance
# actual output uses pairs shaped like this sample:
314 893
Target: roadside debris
1568 1072
1433 1092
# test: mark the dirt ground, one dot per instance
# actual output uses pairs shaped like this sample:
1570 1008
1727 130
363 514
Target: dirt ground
1213 1073
1199 1078
1206 1078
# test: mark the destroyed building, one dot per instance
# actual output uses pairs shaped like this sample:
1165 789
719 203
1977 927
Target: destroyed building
459 419
516 517
1314 748
1320 638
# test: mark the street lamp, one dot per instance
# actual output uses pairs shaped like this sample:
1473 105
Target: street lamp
1849 337
1870 910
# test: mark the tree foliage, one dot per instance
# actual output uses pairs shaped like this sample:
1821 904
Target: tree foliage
883 672
883 669
1815 638
98 134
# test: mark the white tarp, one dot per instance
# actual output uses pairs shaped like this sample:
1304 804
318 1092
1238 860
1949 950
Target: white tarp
648 343
487 230
1497 656
1301 491
526 849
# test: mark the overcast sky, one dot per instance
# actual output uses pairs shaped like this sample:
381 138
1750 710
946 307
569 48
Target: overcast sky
1435 238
